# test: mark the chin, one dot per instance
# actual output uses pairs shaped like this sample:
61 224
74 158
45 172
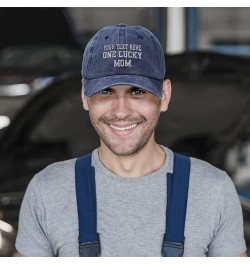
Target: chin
125 151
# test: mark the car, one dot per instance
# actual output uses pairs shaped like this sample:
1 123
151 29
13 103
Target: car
208 118
36 44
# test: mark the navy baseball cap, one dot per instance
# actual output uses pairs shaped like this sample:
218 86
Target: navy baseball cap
123 55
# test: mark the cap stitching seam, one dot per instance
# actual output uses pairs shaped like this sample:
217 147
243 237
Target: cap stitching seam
92 50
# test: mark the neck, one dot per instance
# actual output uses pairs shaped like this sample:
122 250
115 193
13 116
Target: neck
147 160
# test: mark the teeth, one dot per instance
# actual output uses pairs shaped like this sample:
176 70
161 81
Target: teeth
123 129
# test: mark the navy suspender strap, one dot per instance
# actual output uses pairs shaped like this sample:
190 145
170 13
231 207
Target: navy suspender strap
177 193
89 244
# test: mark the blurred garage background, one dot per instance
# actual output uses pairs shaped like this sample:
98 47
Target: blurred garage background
41 117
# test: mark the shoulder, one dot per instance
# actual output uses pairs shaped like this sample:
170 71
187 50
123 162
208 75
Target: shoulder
58 175
207 173
209 182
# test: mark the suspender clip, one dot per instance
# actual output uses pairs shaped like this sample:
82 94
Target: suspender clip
90 249
172 249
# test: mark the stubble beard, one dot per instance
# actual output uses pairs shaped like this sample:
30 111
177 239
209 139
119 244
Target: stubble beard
123 146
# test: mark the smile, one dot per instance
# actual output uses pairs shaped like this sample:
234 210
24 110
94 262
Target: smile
123 128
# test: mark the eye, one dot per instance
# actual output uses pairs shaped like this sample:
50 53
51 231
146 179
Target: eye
105 91
137 91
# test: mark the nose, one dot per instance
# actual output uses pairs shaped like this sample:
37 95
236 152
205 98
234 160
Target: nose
121 108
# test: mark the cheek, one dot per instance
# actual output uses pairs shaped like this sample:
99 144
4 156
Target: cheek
149 109
94 115
96 110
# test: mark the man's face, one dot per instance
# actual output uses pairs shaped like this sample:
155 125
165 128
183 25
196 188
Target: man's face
124 117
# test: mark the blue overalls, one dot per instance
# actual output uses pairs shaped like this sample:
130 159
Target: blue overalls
177 194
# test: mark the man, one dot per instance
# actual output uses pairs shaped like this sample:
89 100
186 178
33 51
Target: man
124 91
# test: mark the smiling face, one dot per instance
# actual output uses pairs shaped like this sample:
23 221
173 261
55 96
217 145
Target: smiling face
125 117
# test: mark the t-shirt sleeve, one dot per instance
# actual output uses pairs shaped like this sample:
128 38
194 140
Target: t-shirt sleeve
32 239
229 234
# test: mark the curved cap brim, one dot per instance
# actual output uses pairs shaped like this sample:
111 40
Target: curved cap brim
92 86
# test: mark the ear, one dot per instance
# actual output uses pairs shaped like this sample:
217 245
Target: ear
84 99
166 94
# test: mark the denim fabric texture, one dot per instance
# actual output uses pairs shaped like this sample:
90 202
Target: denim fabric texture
123 55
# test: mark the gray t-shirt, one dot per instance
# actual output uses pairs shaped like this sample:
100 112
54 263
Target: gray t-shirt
130 212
